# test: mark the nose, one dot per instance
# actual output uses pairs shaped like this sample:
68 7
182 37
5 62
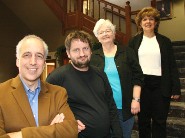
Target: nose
148 20
104 32
81 52
33 60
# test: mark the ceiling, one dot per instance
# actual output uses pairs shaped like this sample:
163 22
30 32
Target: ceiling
38 18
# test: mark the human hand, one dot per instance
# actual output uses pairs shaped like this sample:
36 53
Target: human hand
58 119
175 97
15 134
81 126
135 107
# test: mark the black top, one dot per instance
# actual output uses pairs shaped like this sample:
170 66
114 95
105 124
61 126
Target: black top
170 83
90 99
129 71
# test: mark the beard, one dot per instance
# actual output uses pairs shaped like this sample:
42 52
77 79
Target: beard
79 64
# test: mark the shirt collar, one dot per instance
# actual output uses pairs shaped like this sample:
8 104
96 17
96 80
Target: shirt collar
27 88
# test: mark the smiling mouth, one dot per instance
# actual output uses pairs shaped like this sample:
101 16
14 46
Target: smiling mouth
32 69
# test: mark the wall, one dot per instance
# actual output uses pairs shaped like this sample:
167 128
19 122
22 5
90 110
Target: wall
174 28
135 4
11 31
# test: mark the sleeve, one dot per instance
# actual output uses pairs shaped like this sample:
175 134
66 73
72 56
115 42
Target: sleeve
174 74
66 129
56 77
114 118
2 131
137 74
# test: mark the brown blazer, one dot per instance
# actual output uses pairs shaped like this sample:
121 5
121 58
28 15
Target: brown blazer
16 113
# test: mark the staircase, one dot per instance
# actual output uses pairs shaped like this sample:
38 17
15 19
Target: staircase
75 14
176 117
75 18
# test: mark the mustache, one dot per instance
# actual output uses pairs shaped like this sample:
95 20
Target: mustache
82 57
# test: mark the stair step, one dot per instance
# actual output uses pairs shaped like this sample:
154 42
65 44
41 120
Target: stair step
178 43
177 109
180 63
135 134
182 81
181 72
177 49
175 128
180 56
182 97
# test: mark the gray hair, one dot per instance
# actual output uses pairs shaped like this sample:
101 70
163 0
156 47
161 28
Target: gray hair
19 45
102 22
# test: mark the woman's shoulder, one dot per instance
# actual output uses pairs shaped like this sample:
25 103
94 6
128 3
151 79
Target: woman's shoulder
160 36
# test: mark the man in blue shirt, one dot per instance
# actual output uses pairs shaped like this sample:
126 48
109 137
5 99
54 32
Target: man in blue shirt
29 107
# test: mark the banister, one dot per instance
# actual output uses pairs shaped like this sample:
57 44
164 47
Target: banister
74 18
111 4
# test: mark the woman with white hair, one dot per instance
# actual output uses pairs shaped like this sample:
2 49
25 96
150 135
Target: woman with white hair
123 71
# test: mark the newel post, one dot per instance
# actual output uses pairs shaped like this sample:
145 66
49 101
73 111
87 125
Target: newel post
128 20
153 3
79 13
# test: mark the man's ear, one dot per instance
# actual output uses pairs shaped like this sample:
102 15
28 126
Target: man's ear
17 62
67 51
44 65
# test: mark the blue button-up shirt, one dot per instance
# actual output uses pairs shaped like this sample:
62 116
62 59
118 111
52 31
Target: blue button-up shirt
33 99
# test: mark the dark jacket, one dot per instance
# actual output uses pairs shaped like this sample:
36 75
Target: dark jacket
129 72
170 83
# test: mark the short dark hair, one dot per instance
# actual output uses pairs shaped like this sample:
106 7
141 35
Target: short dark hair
82 35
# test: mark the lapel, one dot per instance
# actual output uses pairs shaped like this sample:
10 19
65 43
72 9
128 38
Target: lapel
137 43
99 63
22 100
162 47
44 105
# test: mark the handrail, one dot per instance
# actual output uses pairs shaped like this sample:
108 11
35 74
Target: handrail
111 4
74 17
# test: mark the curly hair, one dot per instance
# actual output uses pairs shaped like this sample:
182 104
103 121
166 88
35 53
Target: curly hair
150 12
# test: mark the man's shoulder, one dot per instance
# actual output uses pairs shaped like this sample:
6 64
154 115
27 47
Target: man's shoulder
52 88
13 82
160 36
98 71
95 69
60 71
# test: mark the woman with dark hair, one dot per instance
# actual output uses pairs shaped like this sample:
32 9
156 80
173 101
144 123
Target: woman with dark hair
155 55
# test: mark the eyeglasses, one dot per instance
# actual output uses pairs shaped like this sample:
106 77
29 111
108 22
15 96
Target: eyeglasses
108 31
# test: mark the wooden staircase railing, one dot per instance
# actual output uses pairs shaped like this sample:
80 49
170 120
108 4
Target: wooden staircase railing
83 14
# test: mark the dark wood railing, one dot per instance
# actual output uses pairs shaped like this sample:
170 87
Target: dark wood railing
83 14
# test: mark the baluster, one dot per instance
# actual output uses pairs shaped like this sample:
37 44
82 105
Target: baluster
119 20
87 10
112 9
70 6
99 9
92 8
105 10
128 20
75 5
